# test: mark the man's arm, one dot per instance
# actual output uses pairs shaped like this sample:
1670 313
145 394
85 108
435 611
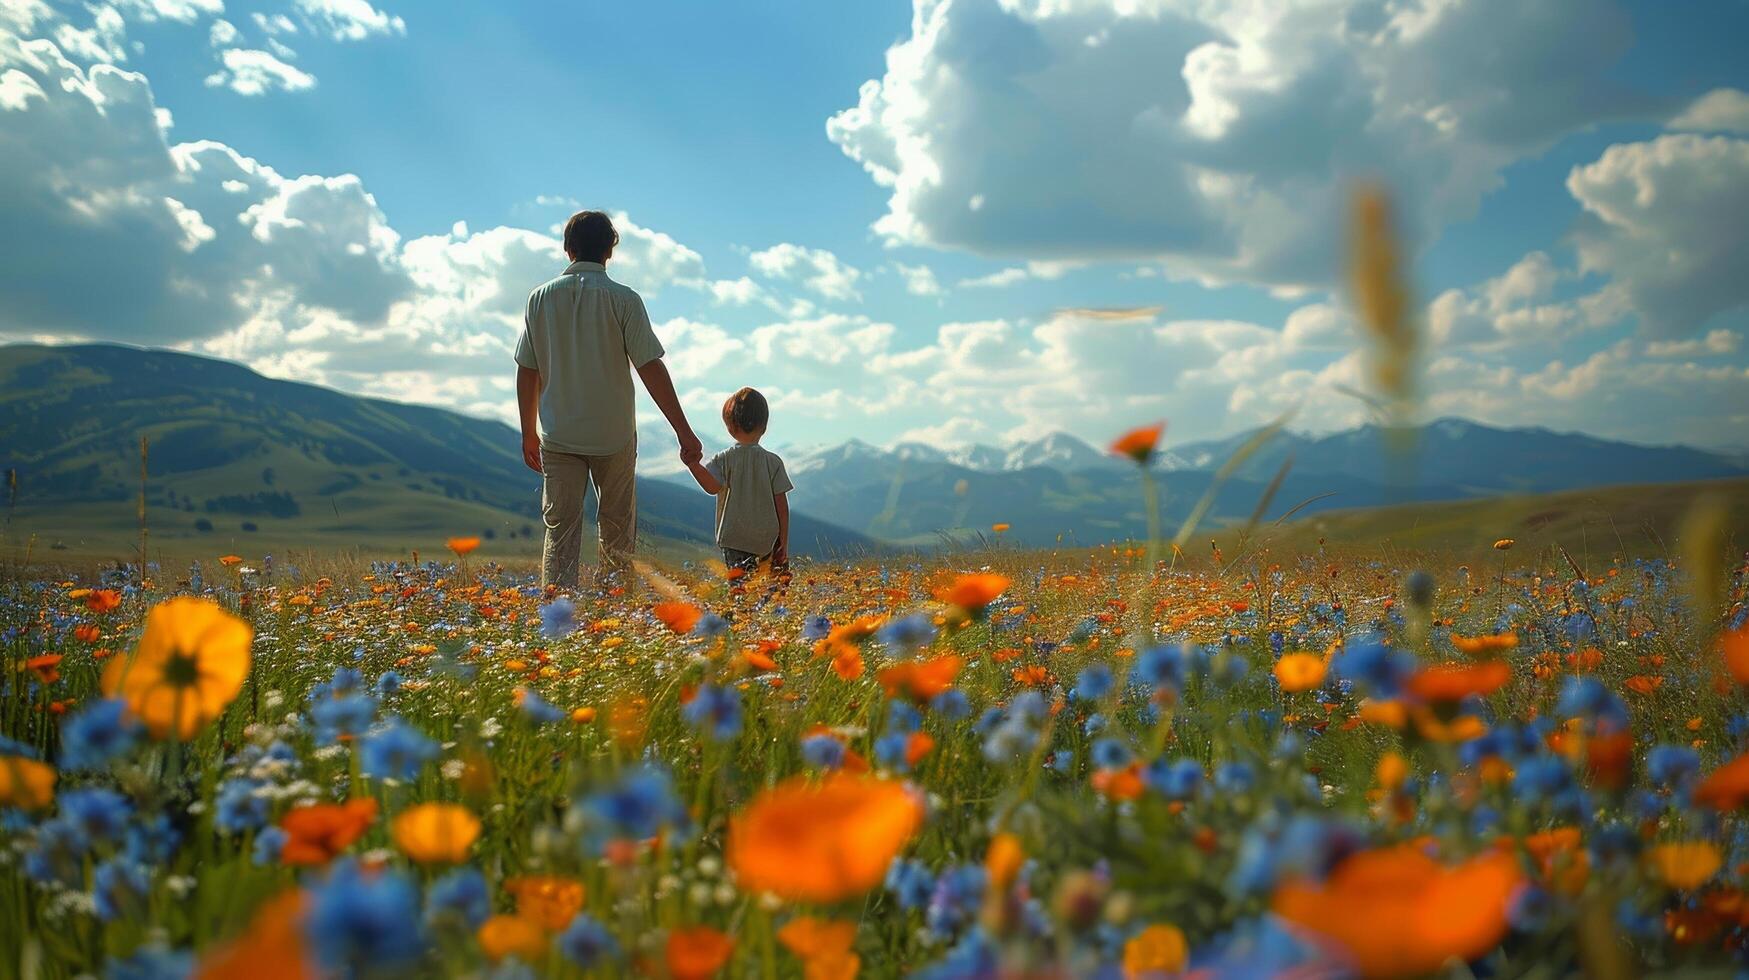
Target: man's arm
780 556
661 388
528 385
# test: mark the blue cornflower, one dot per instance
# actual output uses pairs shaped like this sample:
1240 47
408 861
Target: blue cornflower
269 844
1175 779
587 943
153 840
537 709
710 625
958 895
910 883
362 924
57 854
1093 683
119 887
1028 705
822 752
890 751
239 808
396 750
388 684
1094 724
714 710
1235 777
347 714
1374 666
1158 668
636 808
902 717
1671 766
1541 777
951 704
1110 753
1584 696
97 735
815 628
460 896
558 618
1011 740
907 632
972 958
99 814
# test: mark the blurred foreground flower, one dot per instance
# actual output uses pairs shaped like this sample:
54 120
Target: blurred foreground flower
188 666
821 842
1139 444
436 833
463 546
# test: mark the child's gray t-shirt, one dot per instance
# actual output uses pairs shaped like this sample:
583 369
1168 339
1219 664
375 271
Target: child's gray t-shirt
751 477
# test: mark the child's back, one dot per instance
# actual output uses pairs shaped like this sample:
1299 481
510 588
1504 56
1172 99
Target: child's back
751 478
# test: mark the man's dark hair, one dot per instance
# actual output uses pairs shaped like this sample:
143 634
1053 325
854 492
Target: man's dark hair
590 236
746 411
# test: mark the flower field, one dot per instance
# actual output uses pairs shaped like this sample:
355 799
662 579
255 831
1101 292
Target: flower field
1000 763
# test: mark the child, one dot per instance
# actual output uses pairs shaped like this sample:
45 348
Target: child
749 483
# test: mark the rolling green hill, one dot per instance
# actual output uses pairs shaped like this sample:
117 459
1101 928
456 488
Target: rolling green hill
237 461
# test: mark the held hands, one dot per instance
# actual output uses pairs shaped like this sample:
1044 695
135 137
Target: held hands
691 449
531 451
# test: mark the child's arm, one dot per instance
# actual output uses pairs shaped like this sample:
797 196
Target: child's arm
780 555
706 482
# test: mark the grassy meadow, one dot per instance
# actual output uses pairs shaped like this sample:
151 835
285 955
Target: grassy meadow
1434 755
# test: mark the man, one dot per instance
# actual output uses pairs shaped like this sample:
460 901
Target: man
583 335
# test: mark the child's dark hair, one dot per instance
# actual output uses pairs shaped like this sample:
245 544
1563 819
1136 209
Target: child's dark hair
590 236
746 411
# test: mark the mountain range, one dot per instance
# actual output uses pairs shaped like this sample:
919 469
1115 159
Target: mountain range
230 449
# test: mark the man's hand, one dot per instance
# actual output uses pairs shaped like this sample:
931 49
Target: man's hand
691 449
531 451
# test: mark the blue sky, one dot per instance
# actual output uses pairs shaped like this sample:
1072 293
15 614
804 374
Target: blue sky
897 218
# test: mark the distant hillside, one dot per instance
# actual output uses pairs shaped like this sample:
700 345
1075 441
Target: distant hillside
233 453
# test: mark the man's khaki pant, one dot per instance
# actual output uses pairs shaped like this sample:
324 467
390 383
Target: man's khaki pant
565 484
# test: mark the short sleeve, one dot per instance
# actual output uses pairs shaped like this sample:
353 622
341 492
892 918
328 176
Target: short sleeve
642 347
779 477
525 352
717 468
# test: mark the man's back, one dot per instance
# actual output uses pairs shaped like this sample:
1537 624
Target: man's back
583 333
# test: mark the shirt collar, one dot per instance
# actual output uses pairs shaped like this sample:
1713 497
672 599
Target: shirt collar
580 266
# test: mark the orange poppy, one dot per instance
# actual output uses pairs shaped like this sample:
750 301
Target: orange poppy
512 935
26 783
918 745
680 617
1138 444
821 842
999 527
190 663
1456 681
818 942
1644 683
1158 950
1560 858
1003 860
1504 544
318 832
1685 865
1118 784
230 560
697 953
463 546
1299 671
1727 787
435 833
921 680
1485 646
102 600
272 948
975 591
1735 647
46 667
847 663
1033 675
549 900
1400 913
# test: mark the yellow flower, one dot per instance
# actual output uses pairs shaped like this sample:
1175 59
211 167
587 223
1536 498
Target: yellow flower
1155 951
513 935
1686 865
189 665
26 783
436 833
1299 672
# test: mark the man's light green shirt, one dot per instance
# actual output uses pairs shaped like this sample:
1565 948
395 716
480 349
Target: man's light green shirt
584 333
